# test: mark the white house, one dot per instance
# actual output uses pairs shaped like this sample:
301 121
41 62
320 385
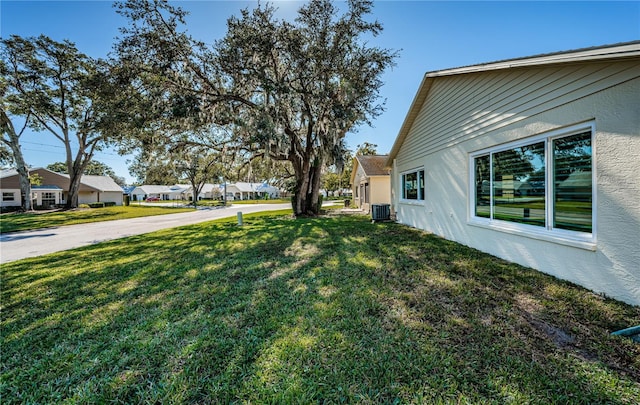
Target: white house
251 191
53 190
237 191
141 193
370 181
175 192
208 192
534 160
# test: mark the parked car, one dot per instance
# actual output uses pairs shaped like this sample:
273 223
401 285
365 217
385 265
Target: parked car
153 199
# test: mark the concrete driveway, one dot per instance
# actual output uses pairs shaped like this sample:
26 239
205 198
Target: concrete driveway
21 245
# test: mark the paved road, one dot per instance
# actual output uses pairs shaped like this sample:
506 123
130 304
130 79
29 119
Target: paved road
21 245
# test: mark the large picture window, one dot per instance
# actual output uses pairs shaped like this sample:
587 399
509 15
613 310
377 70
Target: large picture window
413 185
545 183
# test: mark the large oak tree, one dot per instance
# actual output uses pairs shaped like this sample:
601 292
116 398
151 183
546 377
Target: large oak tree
11 148
289 91
60 90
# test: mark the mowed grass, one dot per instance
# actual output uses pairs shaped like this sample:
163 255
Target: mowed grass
33 220
281 310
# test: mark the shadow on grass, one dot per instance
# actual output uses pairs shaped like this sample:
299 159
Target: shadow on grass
314 310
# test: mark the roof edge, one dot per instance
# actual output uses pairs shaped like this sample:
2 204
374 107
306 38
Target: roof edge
605 52
614 51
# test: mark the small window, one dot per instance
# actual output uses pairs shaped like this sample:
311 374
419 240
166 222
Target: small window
413 185
8 196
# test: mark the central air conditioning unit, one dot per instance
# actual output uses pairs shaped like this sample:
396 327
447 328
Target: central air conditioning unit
380 212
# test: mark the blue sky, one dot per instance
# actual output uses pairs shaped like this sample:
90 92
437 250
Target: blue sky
429 35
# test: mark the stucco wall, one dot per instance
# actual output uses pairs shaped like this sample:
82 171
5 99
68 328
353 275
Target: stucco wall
380 189
612 267
94 196
112 196
85 197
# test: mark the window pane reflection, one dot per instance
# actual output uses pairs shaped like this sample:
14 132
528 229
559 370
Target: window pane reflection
573 183
483 187
519 185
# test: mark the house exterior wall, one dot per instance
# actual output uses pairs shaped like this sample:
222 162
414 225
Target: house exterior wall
38 194
111 196
475 111
87 197
17 199
137 194
86 194
380 192
377 191
356 188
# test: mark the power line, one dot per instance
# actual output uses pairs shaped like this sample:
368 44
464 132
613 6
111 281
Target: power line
96 154
43 144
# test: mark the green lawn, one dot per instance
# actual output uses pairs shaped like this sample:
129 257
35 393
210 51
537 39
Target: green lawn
330 310
35 220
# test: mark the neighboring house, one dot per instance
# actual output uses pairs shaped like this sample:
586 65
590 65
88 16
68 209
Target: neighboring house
534 160
53 190
178 192
251 191
208 192
164 193
237 191
141 193
370 181
126 190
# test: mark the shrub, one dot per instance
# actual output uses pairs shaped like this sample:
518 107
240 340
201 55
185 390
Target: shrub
96 205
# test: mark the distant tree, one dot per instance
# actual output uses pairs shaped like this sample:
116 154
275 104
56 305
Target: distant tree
366 148
35 179
62 91
332 182
149 168
198 167
58 167
337 178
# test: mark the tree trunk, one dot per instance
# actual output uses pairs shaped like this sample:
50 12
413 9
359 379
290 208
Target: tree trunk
306 202
314 192
25 183
74 188
21 166
76 167
195 191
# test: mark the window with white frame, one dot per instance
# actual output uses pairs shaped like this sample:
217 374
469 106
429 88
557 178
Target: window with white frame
48 198
545 182
413 185
8 196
